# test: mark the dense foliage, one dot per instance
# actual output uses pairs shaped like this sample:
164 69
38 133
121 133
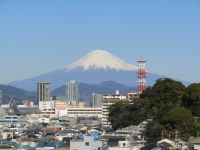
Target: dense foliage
191 99
168 103
122 114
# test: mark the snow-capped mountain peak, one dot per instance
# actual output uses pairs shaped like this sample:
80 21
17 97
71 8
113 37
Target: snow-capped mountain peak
101 59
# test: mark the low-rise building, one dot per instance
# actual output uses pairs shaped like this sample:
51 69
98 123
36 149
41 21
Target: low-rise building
172 144
6 134
85 111
13 121
86 143
60 107
43 119
124 145
46 105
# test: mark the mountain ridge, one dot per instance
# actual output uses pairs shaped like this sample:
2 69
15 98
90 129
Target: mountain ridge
18 94
85 91
93 68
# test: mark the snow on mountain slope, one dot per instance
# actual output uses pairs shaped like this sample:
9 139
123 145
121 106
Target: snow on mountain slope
95 67
101 59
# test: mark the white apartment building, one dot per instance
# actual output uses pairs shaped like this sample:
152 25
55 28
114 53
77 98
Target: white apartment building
79 112
132 96
84 112
109 99
63 109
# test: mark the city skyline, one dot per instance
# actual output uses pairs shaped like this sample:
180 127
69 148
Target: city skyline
39 37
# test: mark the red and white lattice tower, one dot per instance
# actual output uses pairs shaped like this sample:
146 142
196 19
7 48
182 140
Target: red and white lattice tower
141 75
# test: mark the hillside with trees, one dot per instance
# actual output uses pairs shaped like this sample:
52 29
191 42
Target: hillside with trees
17 94
172 107
85 91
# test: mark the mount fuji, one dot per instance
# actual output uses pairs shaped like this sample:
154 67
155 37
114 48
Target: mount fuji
101 59
96 67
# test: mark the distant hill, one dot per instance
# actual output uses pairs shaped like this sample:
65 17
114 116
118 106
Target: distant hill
86 90
17 94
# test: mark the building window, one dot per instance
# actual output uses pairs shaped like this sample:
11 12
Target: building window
86 143
124 144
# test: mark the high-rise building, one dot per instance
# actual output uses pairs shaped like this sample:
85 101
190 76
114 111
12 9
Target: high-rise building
96 100
72 92
44 98
43 89
1 96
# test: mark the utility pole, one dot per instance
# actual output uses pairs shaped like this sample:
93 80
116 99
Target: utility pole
176 138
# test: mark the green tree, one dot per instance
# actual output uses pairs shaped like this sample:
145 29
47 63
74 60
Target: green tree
123 114
165 95
165 103
179 120
119 114
191 99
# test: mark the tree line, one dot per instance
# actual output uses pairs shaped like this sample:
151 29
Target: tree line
172 107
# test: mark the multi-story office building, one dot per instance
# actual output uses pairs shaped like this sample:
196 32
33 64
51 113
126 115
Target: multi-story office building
43 89
1 96
96 100
109 99
44 98
72 92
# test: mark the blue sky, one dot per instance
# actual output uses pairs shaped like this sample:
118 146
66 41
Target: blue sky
37 36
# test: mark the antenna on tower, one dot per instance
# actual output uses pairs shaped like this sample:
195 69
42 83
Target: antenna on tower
141 75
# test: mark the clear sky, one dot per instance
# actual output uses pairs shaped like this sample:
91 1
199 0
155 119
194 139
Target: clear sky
40 36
